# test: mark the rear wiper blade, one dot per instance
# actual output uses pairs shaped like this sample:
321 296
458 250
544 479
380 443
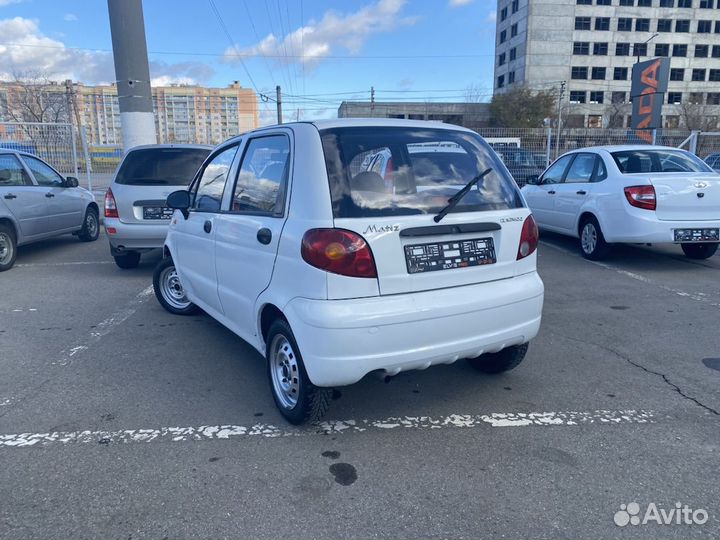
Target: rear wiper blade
455 199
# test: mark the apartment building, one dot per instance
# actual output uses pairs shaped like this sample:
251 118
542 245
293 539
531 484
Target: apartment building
591 45
183 113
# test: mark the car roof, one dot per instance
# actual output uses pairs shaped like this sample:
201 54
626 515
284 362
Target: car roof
20 152
625 148
385 122
188 146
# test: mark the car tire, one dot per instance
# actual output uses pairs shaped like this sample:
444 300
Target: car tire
91 226
169 291
592 240
504 360
128 260
700 251
297 399
8 247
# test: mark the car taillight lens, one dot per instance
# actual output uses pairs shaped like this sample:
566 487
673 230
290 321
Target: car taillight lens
338 251
528 238
641 197
110 206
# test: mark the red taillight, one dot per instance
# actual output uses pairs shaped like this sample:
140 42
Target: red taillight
110 206
338 251
641 197
528 238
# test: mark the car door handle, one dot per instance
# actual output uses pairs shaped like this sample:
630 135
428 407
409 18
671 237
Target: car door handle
264 236
10 196
551 192
581 192
207 226
49 195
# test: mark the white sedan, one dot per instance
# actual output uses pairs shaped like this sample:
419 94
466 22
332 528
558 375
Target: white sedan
632 194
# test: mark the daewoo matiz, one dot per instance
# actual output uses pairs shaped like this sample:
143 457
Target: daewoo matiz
333 270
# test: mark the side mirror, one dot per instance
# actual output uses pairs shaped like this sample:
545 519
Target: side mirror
180 200
533 180
71 181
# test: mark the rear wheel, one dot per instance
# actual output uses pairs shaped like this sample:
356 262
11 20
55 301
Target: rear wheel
298 399
128 260
592 241
91 226
169 291
500 361
8 247
700 251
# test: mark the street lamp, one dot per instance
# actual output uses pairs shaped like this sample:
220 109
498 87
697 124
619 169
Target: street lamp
648 40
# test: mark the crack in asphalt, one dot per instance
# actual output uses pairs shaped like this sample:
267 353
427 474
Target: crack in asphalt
664 377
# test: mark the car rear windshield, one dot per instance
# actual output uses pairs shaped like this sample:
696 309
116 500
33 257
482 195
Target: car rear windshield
387 171
161 166
657 161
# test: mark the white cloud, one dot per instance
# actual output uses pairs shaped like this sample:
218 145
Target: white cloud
491 17
26 50
70 17
4 3
458 3
322 38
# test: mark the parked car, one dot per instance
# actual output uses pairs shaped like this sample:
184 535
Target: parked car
634 194
333 274
37 202
521 163
136 217
714 161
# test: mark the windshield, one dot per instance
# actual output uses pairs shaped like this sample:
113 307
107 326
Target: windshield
657 161
386 171
161 166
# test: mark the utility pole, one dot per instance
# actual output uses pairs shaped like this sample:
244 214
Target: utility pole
132 73
372 99
560 98
278 100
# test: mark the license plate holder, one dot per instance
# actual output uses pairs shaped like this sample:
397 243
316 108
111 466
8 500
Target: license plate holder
435 256
157 212
697 235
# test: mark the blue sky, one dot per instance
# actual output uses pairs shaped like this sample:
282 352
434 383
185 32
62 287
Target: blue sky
406 49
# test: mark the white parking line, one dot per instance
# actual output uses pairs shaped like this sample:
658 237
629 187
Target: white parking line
697 296
333 427
74 263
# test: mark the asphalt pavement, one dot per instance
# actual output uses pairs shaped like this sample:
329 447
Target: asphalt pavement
119 420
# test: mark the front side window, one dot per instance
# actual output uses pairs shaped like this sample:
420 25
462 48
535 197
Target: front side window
657 161
555 172
12 173
44 174
262 179
211 186
421 169
581 169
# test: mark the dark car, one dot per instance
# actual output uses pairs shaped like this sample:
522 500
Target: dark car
521 162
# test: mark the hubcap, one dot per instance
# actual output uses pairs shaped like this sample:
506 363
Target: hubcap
284 371
172 290
588 238
91 224
6 248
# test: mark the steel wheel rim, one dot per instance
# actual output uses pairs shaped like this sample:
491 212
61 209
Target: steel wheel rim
284 371
172 290
6 248
91 224
589 238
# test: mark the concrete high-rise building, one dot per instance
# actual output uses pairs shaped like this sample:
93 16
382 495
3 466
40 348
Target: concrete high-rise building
183 113
592 46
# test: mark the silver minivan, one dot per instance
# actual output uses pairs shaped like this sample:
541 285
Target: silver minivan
136 216
37 202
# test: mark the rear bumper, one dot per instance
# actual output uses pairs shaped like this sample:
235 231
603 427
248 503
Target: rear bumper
343 340
640 228
135 236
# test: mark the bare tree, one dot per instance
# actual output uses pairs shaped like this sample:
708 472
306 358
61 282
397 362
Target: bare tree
615 114
32 97
697 116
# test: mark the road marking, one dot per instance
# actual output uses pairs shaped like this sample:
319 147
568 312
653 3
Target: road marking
76 263
331 427
104 327
697 296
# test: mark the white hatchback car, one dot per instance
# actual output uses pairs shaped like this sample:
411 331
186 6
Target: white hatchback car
632 194
332 271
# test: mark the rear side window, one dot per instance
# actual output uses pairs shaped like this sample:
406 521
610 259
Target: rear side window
656 161
161 166
387 171
12 173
